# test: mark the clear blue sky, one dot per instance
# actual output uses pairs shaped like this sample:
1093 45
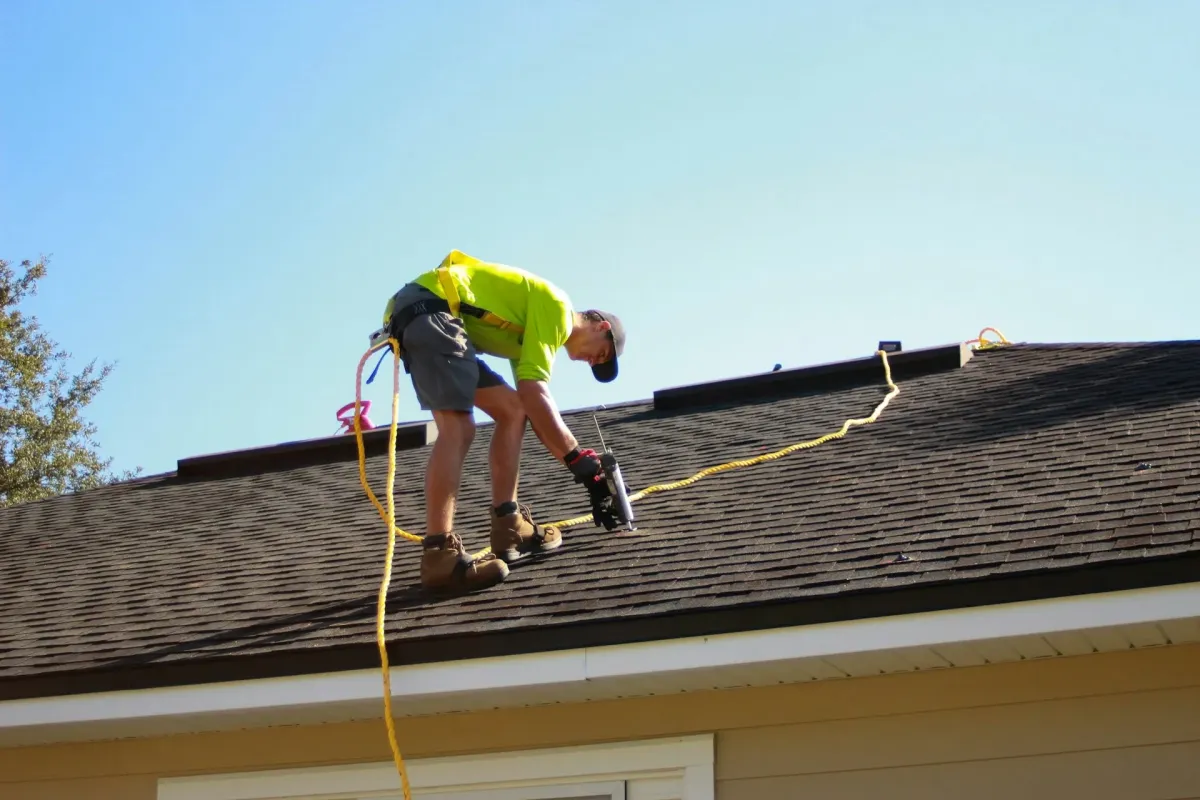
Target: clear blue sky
231 190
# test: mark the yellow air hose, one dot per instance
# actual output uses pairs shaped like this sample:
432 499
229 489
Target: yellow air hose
389 515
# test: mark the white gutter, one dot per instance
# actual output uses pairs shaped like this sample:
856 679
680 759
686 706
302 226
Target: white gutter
587 673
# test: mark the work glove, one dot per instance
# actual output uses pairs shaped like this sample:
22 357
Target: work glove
585 466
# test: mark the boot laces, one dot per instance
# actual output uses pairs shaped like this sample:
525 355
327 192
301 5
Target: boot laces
453 541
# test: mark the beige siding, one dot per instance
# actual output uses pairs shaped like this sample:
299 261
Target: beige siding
120 787
1167 772
1124 726
1136 745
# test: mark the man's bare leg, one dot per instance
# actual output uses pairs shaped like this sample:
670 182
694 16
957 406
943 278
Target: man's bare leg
446 386
443 475
502 404
513 536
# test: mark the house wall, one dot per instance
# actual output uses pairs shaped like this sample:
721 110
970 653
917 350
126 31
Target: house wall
1121 726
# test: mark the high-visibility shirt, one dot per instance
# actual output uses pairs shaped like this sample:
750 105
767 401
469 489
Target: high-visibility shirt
516 295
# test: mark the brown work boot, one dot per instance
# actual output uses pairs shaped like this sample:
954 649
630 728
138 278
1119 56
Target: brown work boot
446 567
516 535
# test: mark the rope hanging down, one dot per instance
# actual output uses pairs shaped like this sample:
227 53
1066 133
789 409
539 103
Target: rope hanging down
390 518
389 514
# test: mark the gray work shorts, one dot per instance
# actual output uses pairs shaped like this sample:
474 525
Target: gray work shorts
443 364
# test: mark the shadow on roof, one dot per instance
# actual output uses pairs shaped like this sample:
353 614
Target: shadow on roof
282 629
1008 395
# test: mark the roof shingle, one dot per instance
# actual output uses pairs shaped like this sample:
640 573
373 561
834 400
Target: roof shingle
1030 458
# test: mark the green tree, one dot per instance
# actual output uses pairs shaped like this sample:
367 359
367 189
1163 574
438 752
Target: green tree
46 446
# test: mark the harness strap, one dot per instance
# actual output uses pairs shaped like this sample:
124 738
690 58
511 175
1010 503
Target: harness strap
458 307
403 316
453 304
450 290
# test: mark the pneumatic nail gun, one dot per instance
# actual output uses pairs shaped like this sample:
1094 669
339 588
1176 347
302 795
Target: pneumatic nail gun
616 509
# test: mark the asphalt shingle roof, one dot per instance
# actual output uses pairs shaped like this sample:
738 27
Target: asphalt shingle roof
1030 458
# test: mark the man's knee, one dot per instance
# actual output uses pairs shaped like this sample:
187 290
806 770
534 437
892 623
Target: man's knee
501 403
509 410
456 428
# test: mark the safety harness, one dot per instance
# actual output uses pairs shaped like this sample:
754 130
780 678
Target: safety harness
451 304
457 305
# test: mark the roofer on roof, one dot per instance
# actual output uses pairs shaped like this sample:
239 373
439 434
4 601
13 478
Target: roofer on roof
443 319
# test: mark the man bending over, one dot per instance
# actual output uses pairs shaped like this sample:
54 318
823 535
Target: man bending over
443 319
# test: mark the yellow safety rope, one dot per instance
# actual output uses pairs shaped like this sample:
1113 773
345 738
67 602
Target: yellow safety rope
986 344
362 461
846 426
390 518
390 515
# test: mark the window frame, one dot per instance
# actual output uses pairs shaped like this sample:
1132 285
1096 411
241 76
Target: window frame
658 769
607 790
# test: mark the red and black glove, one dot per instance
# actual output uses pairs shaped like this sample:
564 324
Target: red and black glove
585 466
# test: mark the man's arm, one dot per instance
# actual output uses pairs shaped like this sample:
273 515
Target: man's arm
554 434
543 415
547 326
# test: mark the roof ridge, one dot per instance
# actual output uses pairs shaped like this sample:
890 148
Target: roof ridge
825 377
1093 345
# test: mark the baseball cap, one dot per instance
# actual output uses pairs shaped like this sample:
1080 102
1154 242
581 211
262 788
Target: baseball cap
608 370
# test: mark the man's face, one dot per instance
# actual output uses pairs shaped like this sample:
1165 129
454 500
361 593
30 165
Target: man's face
595 346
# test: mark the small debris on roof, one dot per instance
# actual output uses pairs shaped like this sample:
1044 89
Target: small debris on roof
1143 465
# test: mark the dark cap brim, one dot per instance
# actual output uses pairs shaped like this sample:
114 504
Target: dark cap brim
605 372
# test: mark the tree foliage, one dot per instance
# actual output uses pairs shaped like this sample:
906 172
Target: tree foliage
46 446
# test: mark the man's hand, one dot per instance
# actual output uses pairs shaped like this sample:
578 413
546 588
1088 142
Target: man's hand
584 465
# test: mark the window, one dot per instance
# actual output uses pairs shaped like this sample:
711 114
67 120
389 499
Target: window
611 790
678 768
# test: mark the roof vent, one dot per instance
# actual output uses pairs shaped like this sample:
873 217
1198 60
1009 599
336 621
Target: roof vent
306 452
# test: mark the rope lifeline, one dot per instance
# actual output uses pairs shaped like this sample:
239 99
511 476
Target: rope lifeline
846 426
986 344
389 516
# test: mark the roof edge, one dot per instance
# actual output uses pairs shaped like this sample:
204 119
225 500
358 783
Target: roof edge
305 452
867 604
587 672
904 365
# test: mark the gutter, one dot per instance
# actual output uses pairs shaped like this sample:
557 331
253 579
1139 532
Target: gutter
576 674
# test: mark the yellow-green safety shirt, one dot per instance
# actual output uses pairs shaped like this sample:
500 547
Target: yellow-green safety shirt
540 307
